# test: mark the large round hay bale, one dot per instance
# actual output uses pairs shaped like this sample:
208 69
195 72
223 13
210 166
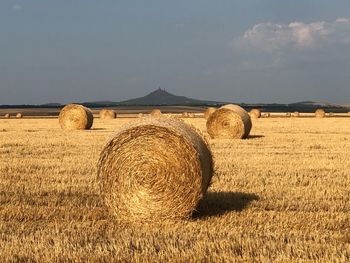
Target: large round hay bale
255 113
296 114
320 113
229 122
19 115
7 115
108 114
75 117
156 112
153 169
267 114
288 114
209 112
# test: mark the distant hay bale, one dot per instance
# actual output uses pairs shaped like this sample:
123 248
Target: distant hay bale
229 122
7 115
208 112
267 114
349 113
255 113
288 114
320 113
156 112
153 169
296 114
75 117
108 114
191 115
184 115
19 115
331 114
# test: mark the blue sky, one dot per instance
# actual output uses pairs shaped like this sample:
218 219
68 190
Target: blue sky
241 51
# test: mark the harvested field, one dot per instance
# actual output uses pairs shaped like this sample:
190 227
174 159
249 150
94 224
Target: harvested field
281 195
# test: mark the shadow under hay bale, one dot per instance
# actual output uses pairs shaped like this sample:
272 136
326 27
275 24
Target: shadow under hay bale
219 203
255 136
153 169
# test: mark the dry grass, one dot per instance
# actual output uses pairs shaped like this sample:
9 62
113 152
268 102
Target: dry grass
289 202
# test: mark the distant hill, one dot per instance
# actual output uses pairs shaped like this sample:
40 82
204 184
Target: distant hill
162 97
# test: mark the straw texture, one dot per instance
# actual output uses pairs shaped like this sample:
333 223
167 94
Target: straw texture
208 112
229 122
153 169
108 114
156 112
75 117
320 113
255 113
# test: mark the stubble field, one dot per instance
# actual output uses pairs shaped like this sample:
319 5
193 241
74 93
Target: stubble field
281 195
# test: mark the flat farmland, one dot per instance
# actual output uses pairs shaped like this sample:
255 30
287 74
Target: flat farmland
283 194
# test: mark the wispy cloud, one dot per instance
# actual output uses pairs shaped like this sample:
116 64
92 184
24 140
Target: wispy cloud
271 37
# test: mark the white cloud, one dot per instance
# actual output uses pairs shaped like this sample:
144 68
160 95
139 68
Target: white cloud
270 37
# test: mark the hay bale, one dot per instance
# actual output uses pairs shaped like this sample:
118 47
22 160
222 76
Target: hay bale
19 115
229 122
75 117
331 114
209 112
184 115
108 114
267 114
288 114
156 112
296 114
7 116
153 169
320 113
349 113
191 115
255 113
